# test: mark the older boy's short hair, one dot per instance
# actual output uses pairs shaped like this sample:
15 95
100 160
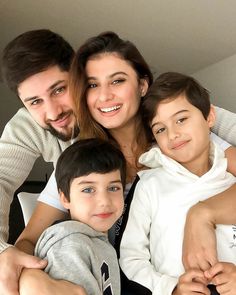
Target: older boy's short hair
33 52
88 156
170 85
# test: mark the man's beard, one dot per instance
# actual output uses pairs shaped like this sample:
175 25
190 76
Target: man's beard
62 136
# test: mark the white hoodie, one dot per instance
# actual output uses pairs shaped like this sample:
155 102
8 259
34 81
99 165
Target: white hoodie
151 246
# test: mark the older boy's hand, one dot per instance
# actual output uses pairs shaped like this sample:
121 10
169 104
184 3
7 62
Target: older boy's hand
192 282
223 275
12 262
37 282
199 244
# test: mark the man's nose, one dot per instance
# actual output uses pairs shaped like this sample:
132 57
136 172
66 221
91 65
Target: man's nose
53 110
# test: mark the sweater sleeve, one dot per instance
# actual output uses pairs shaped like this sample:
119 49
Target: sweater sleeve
135 256
21 143
71 261
225 125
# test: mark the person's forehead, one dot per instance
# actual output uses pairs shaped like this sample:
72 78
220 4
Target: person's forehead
42 81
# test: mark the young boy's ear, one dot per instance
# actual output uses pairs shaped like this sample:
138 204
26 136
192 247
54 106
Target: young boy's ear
211 117
64 201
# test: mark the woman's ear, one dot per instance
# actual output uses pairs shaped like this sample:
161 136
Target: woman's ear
64 201
143 86
211 117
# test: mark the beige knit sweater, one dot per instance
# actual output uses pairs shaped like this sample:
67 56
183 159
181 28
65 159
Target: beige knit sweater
23 141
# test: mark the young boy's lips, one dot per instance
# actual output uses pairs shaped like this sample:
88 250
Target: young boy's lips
104 215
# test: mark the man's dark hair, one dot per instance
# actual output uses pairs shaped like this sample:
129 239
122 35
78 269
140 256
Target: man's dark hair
169 86
88 156
33 52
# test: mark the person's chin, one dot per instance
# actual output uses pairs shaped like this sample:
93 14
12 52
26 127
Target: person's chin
66 135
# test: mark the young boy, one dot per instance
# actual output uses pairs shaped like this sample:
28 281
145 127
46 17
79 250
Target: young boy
90 175
187 168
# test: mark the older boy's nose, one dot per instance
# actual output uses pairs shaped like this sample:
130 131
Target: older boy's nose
173 133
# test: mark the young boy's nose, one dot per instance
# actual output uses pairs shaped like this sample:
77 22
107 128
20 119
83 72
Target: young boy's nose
104 200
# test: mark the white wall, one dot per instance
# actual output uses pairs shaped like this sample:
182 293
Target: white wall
220 80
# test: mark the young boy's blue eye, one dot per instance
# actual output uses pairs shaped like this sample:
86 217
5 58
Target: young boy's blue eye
88 190
114 188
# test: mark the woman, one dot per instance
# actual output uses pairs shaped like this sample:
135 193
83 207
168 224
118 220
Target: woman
109 77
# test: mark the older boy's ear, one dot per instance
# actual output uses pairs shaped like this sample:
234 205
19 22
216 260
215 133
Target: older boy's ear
143 87
64 201
211 117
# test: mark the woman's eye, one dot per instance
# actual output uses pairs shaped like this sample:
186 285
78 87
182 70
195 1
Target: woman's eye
88 190
92 85
118 81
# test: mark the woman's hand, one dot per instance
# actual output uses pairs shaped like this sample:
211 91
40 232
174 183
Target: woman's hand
199 244
37 282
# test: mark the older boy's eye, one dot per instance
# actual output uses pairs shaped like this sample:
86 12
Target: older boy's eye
88 190
160 130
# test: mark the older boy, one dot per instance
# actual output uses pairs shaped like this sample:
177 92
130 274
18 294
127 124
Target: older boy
188 168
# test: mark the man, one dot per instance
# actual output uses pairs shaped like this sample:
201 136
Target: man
35 66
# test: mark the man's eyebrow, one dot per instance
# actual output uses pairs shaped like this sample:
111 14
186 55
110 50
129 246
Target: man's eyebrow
55 84
27 99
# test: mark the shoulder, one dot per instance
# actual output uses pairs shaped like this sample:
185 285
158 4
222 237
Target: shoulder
149 175
22 123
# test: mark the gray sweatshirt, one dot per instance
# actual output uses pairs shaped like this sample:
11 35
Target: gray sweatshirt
79 254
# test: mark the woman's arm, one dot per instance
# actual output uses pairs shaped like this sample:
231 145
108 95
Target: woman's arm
43 216
199 245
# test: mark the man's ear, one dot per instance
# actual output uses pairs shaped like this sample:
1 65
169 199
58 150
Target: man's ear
143 86
211 117
64 201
